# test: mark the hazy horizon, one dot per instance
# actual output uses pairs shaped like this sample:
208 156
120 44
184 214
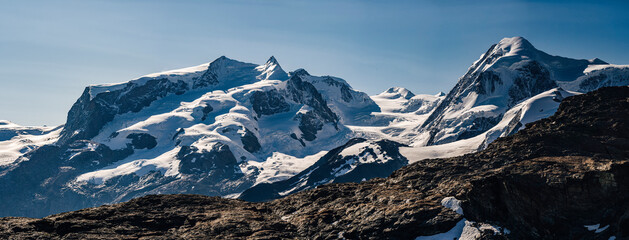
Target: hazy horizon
49 51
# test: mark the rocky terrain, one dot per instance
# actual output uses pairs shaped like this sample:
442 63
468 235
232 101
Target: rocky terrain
563 177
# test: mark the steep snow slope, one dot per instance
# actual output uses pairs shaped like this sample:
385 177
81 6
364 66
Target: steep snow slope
15 140
360 160
355 161
508 73
400 111
537 107
598 76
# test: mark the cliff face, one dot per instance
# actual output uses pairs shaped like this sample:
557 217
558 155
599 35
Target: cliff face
547 181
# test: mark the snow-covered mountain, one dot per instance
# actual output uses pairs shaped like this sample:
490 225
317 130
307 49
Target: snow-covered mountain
507 74
355 161
214 129
229 128
16 140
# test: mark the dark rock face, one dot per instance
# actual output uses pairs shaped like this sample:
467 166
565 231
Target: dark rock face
305 93
309 124
514 124
268 102
487 82
250 141
613 77
313 120
219 159
558 209
534 79
7 134
544 182
299 72
142 140
298 91
478 126
85 154
593 82
294 136
45 171
206 110
88 115
346 92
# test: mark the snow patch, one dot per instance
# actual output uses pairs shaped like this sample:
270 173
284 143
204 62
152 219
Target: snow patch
16 140
453 204
281 166
465 230
596 67
596 228
143 163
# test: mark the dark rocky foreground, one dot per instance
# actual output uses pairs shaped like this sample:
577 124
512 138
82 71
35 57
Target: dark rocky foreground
545 182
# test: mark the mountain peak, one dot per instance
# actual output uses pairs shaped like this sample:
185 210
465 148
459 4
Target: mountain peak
515 45
221 64
300 72
220 61
271 70
597 61
397 92
272 60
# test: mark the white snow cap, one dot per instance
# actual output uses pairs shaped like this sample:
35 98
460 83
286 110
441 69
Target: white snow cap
515 45
397 92
271 70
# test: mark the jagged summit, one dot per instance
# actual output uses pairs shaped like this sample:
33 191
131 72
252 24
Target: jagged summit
272 60
271 70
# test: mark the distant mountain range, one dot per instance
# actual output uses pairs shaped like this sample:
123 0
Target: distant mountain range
255 132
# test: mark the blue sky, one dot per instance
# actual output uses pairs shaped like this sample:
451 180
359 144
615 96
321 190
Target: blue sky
49 51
